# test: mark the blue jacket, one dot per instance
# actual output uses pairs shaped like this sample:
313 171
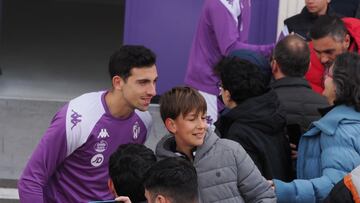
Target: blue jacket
327 152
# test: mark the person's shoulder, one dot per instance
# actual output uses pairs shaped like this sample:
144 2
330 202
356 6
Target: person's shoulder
224 144
145 116
84 111
87 99
293 19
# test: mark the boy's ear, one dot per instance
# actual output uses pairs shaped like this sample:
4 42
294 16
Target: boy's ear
112 187
161 199
118 82
170 125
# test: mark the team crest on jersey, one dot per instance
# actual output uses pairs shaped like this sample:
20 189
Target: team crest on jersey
136 130
103 134
97 160
101 146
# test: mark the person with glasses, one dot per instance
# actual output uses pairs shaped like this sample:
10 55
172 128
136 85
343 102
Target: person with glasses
255 118
330 148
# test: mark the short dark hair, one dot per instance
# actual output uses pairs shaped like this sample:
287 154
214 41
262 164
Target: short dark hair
293 56
346 77
328 25
128 57
174 178
127 167
181 100
241 78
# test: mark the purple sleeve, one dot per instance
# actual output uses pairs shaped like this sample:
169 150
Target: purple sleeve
228 34
48 155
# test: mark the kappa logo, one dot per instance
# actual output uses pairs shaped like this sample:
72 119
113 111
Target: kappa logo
97 160
136 130
75 119
231 2
101 146
103 134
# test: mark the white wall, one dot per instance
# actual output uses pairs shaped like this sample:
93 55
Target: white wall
288 8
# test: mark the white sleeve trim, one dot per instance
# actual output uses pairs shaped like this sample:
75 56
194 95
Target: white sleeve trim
146 117
82 114
233 6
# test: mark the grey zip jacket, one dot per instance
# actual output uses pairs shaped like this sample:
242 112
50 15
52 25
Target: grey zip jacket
225 171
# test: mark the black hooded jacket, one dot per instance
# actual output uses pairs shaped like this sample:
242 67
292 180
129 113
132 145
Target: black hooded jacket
258 124
302 22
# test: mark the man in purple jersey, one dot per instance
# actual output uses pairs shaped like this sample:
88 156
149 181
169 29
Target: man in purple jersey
222 28
70 163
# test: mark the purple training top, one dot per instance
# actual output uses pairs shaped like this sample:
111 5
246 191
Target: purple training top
70 163
223 27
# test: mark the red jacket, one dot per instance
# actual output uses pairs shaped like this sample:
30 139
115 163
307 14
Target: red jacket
315 74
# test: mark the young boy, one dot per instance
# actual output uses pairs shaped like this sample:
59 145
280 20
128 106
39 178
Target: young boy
127 168
171 180
226 173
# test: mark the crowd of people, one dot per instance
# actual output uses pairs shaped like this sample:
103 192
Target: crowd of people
253 123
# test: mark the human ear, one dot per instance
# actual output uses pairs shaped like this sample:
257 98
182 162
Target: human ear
347 41
170 125
117 82
160 199
112 187
274 66
226 95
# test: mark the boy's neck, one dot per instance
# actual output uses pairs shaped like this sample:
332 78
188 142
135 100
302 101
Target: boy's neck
188 151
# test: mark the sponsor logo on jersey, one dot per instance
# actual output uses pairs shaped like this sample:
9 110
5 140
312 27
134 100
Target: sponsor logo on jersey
103 134
97 160
101 146
75 118
136 130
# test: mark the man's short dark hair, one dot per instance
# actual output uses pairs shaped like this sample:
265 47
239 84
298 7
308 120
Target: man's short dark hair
174 178
328 25
181 101
241 78
127 167
129 57
292 54
346 77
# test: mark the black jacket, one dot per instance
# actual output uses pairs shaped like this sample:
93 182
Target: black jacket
301 103
258 124
302 22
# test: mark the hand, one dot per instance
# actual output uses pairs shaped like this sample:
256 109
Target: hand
123 199
272 184
293 151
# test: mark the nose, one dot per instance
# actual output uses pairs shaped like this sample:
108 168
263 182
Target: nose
202 123
324 58
152 89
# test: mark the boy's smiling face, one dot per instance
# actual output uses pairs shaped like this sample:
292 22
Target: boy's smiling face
189 129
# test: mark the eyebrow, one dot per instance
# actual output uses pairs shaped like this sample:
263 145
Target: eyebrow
146 79
322 51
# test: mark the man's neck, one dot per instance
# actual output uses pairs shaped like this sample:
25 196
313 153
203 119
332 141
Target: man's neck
278 76
117 105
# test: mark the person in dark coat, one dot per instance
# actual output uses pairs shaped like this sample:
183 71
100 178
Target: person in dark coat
347 8
255 119
290 62
302 22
